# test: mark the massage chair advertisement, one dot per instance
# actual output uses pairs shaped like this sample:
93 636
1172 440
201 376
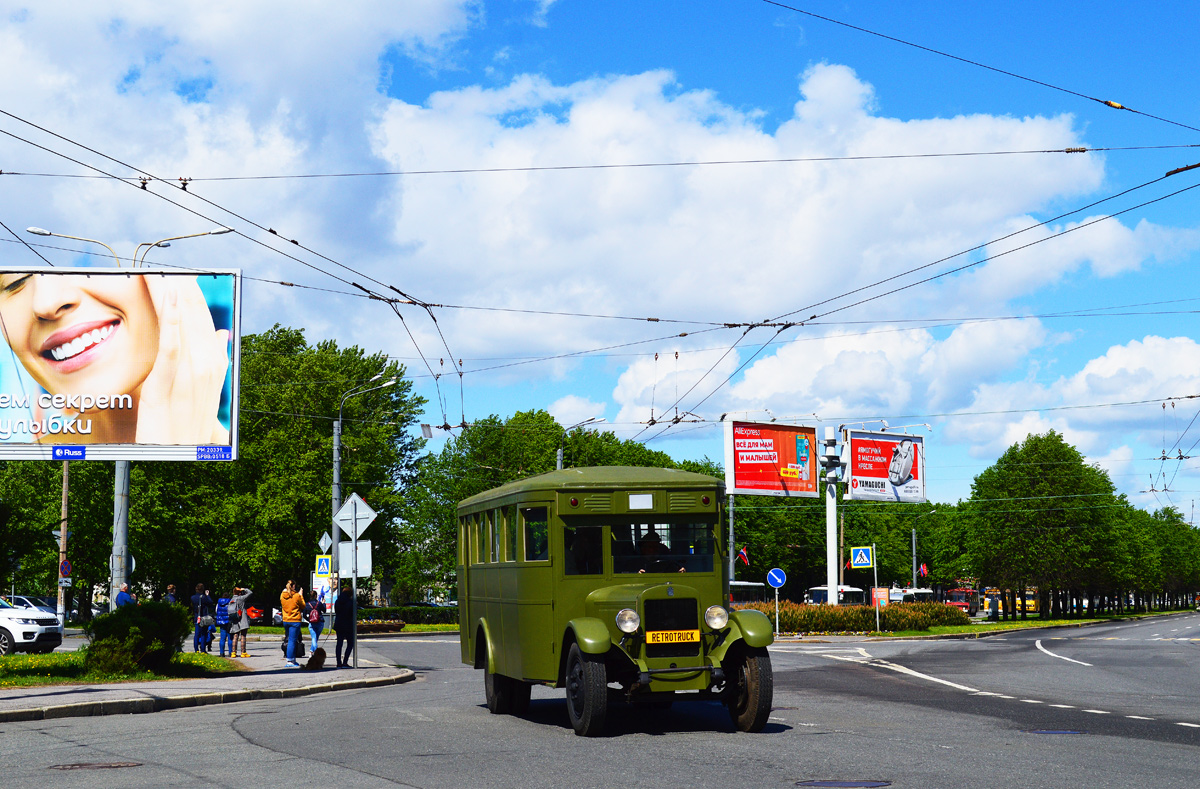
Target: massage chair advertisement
119 364
885 467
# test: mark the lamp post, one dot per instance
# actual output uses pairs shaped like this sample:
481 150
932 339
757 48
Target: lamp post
591 420
120 552
914 545
337 498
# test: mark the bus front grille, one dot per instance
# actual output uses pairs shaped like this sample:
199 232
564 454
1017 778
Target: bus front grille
672 614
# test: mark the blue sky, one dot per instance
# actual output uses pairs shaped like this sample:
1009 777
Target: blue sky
218 89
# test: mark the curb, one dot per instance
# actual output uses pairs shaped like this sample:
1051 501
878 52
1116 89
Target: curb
159 704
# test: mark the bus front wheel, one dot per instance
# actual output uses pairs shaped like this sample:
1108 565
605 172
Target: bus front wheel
751 690
587 692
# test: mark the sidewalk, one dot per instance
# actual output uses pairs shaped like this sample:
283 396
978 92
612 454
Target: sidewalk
264 677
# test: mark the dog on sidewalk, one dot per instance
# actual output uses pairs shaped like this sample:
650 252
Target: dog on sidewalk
317 661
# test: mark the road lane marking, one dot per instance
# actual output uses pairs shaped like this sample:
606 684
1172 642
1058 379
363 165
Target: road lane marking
1139 717
1064 706
1038 644
1189 725
1097 712
1032 701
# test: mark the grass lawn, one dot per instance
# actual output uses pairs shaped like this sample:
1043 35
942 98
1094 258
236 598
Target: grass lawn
59 668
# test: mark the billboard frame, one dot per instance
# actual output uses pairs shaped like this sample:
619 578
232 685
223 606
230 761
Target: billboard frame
890 492
31 394
735 483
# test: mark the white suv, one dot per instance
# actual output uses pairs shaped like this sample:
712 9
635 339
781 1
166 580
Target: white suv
27 630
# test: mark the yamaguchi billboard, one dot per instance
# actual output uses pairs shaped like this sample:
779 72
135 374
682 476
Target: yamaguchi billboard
770 459
119 364
885 467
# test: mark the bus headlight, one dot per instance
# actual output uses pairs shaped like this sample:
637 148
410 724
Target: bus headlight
628 620
716 617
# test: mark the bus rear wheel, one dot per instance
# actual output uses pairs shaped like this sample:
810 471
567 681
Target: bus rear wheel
751 690
587 692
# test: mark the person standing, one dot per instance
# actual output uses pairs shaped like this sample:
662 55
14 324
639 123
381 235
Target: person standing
291 606
171 596
124 598
343 624
240 619
202 615
314 615
221 618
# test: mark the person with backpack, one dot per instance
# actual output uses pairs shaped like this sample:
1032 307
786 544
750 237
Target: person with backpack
221 618
343 623
239 620
314 615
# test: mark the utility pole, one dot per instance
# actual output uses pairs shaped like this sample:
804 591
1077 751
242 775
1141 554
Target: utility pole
62 543
119 560
831 461
842 549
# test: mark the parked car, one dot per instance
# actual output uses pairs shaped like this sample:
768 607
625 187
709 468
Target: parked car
257 615
27 630
39 603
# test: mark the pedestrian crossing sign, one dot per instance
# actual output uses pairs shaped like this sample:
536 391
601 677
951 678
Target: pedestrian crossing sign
323 566
861 558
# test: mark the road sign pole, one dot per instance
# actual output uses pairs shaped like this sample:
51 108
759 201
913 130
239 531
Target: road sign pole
354 581
777 610
874 593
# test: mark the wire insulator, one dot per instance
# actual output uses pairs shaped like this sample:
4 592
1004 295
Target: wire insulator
1115 105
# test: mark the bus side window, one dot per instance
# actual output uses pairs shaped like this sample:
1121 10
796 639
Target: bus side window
537 533
494 535
510 532
583 550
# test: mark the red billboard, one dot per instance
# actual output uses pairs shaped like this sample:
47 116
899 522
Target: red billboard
769 459
885 467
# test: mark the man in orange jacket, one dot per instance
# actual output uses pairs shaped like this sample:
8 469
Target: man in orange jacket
291 604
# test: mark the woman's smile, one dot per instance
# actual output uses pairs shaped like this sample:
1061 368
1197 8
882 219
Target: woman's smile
69 343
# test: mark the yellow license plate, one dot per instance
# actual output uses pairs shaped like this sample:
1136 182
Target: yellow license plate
672 636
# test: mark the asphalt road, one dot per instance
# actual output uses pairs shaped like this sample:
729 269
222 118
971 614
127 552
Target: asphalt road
1104 706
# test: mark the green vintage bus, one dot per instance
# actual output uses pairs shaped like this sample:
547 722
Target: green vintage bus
608 582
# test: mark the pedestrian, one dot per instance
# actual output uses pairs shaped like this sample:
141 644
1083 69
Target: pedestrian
171 596
343 624
221 618
124 598
314 615
202 606
291 603
240 619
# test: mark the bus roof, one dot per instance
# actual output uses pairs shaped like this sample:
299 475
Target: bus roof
598 477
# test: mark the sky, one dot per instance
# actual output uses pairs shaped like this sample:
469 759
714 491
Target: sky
827 213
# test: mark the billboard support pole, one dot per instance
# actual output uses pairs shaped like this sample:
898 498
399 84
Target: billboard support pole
731 545
120 532
831 486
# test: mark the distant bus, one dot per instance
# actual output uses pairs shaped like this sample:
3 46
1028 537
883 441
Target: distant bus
966 599
847 595
594 579
911 594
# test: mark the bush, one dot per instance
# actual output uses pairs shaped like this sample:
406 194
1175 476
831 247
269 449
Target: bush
413 614
136 638
802 618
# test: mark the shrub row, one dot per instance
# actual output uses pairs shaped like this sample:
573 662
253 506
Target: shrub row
801 618
136 638
414 615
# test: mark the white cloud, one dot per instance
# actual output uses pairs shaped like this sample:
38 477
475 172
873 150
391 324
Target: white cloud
573 409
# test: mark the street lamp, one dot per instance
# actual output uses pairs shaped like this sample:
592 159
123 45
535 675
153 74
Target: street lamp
914 544
337 493
591 420
120 551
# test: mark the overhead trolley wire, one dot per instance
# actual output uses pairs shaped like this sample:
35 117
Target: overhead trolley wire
1106 102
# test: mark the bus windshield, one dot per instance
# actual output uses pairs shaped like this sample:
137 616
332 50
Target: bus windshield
662 548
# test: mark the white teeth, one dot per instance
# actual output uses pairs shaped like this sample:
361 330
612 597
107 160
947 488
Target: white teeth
80 343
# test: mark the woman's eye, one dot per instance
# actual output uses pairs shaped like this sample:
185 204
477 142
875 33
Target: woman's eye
16 284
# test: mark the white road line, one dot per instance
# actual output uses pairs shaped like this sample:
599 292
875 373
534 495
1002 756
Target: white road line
1064 706
1189 725
1097 712
1139 717
1038 644
1032 701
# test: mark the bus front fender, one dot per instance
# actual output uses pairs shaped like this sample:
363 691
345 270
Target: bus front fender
755 626
591 634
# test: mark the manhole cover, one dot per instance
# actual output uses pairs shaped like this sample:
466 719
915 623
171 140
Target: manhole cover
844 783
95 766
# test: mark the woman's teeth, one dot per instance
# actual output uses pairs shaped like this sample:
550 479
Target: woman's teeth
80 343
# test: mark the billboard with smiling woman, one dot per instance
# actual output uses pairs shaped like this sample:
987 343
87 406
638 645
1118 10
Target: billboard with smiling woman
119 364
